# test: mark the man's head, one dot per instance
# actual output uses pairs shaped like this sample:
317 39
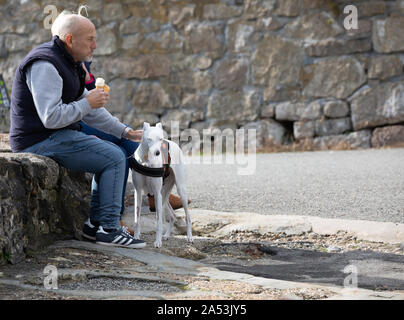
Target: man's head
77 33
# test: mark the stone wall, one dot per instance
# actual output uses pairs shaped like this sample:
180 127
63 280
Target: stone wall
40 202
287 68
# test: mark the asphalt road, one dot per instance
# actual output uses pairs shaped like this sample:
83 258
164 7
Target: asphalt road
360 184
373 271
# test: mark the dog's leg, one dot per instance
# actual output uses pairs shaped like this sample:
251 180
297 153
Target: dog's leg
184 199
159 212
159 220
180 183
172 218
167 187
138 208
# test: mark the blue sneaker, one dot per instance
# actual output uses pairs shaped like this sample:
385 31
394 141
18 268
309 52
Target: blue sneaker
119 238
89 230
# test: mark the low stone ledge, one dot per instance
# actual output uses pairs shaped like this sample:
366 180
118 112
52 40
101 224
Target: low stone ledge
40 202
224 224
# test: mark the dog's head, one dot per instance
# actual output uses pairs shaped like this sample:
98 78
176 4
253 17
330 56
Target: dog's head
153 137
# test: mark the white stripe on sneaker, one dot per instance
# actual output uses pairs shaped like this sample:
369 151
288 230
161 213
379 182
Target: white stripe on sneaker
118 238
123 241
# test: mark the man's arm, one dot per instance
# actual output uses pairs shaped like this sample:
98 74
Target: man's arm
102 120
46 87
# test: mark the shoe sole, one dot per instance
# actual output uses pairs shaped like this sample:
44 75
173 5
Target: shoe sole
131 246
88 237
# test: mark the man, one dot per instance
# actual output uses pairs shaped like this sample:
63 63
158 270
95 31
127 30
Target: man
126 145
48 101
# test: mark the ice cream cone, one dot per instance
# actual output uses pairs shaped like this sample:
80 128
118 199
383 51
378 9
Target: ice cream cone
100 83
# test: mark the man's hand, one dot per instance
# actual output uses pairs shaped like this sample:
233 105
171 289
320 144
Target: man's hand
97 98
135 135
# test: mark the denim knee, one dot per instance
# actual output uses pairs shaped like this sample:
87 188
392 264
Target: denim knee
117 155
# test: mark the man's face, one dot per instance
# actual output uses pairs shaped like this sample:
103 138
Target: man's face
84 43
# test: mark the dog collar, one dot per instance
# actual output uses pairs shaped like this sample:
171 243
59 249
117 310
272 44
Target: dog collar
147 171
154 172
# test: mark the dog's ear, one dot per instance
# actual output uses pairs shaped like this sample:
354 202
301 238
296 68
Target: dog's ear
158 125
146 125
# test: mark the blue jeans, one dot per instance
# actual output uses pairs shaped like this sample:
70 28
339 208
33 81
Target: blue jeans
127 146
79 151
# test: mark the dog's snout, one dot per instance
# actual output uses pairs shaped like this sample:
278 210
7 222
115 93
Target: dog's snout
157 153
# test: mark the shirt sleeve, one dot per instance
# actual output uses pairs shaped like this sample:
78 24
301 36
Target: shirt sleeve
46 86
54 114
102 120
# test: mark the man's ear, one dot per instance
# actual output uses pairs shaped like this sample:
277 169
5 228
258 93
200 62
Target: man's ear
69 40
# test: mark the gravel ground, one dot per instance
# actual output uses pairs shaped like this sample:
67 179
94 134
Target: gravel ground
335 243
91 271
234 290
30 273
361 184
112 284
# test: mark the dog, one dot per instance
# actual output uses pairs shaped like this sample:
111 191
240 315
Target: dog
147 178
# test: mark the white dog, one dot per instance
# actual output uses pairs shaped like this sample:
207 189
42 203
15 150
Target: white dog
149 160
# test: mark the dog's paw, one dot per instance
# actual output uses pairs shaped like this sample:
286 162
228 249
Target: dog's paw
165 238
157 244
190 239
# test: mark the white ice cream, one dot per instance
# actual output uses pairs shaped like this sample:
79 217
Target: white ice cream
99 82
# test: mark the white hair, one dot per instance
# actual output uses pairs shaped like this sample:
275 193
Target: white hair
66 22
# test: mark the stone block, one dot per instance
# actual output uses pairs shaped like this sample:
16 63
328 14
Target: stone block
334 77
231 74
267 132
303 129
40 203
390 136
384 67
387 35
378 106
336 109
331 127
